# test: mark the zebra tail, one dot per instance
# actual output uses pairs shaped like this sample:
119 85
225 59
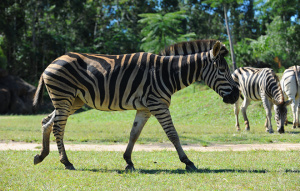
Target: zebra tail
38 96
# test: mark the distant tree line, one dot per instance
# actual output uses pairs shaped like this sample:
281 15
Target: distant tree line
35 32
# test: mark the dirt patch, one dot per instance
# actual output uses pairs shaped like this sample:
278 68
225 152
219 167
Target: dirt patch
152 147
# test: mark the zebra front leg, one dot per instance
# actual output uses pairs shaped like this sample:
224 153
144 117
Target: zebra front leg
244 106
47 124
164 118
60 121
236 112
140 120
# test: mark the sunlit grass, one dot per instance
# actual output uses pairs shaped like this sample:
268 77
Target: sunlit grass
251 170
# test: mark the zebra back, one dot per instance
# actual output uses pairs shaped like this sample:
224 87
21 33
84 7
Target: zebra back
192 47
252 80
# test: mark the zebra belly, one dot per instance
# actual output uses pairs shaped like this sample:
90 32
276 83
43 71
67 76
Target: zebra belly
252 97
135 103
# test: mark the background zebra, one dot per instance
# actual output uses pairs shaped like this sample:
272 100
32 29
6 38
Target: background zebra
139 81
260 84
290 86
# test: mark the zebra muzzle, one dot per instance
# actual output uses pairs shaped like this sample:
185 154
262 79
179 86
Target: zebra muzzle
232 97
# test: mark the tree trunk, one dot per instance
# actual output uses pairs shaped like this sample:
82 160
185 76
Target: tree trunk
229 37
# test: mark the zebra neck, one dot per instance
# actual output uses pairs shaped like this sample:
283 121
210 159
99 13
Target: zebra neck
274 91
182 70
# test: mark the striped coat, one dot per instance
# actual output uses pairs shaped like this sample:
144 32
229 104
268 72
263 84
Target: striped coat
257 84
140 81
291 87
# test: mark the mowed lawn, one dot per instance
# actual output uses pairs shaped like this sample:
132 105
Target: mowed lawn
251 170
200 117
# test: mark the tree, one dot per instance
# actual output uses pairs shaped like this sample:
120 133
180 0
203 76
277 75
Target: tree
225 4
162 30
203 20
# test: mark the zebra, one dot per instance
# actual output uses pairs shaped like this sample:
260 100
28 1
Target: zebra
290 86
260 84
138 81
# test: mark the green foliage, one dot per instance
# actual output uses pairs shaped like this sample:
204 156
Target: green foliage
3 60
243 52
278 42
162 30
34 33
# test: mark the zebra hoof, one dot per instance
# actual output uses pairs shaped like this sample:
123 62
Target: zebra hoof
37 159
69 167
191 168
280 130
129 168
270 131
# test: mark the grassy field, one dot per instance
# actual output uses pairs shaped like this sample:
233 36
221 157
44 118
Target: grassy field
252 170
200 117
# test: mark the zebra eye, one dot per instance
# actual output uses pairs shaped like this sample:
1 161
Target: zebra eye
222 70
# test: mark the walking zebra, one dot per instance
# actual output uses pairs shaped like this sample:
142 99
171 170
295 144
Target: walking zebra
290 86
260 84
138 81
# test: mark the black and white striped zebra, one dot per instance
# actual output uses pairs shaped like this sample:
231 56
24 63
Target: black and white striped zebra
291 87
138 81
260 84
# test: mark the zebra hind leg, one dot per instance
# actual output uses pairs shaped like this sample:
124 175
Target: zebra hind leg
60 121
47 124
140 120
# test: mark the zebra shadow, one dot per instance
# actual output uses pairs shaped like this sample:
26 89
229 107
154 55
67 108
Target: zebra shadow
182 171
292 132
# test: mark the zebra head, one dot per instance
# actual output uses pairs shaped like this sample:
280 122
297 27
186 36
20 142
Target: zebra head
217 76
280 115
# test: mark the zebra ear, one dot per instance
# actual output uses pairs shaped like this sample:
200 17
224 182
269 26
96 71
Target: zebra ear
216 48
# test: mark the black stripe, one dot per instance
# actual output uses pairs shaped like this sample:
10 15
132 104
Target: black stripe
185 52
139 76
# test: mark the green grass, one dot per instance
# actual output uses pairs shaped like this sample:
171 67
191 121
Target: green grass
251 170
200 117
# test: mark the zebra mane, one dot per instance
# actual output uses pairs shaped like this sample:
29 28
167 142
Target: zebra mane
192 47
281 101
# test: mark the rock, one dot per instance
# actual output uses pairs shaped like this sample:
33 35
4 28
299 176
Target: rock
4 99
16 95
